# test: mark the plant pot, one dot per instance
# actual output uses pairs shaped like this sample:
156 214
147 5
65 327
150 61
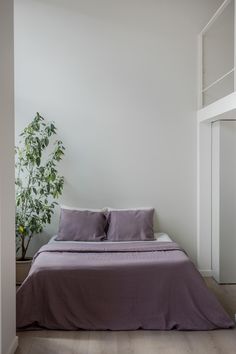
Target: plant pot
22 270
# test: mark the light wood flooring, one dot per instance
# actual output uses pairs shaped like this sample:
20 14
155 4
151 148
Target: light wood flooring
137 342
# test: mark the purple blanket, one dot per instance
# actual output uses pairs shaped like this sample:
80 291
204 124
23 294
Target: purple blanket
148 285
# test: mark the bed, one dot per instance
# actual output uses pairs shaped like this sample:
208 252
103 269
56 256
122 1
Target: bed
150 285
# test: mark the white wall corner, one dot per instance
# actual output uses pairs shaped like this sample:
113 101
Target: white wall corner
13 346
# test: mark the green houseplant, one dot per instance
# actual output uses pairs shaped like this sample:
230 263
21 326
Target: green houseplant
38 183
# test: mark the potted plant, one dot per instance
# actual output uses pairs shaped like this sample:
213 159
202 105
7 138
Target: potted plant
38 185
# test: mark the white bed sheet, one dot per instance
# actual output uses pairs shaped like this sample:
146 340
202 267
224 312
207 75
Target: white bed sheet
159 237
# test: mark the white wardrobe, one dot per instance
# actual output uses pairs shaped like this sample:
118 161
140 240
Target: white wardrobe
224 201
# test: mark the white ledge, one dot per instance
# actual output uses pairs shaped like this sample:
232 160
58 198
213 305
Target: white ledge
225 108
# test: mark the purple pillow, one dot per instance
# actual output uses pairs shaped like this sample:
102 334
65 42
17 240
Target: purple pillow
81 225
130 225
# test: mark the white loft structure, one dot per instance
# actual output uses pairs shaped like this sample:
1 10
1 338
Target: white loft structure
216 102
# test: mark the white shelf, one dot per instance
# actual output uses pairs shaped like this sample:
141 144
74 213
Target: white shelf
225 108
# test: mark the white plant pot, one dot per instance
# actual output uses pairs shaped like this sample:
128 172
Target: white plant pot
22 270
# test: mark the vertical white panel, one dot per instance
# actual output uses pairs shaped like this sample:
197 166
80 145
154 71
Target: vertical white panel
224 201
7 200
228 202
204 197
200 71
216 200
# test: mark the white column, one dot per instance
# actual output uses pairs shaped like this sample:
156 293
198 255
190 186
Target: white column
204 198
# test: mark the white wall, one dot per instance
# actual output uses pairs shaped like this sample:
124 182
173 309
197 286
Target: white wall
120 80
7 203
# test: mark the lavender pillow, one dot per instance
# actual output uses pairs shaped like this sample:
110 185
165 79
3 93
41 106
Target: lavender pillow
130 225
81 225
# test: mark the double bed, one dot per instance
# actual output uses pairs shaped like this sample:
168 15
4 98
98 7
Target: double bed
105 285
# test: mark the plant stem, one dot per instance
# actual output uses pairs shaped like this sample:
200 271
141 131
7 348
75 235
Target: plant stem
23 251
27 245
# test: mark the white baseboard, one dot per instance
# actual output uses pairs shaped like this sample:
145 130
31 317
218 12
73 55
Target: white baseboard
13 346
206 272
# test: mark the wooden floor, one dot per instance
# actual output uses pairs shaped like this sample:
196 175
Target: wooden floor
137 342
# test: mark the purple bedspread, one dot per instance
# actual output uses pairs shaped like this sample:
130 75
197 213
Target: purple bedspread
117 287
